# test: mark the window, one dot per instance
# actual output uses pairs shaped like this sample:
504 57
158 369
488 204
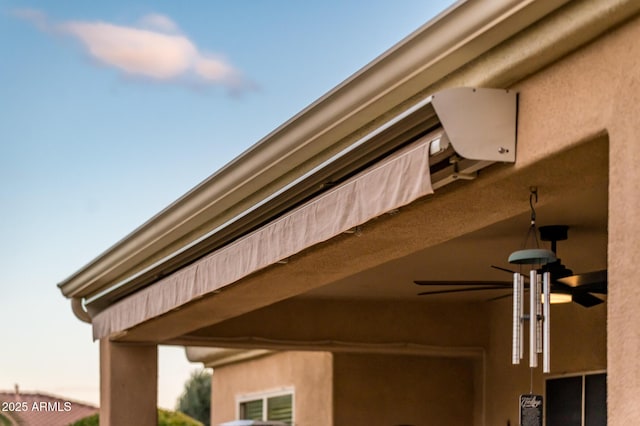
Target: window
277 406
577 400
251 410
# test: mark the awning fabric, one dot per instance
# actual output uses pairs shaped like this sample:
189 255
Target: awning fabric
394 182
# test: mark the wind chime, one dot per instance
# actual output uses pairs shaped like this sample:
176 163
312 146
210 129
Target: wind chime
539 315
539 284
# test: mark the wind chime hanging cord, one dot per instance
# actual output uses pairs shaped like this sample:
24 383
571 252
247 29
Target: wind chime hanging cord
532 234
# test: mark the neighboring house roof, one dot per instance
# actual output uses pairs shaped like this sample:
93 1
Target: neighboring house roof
218 357
38 409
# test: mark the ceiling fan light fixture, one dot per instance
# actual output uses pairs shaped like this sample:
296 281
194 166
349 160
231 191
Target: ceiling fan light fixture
532 257
558 298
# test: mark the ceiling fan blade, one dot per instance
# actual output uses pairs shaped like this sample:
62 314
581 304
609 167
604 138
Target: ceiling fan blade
593 282
460 290
587 300
504 296
499 268
464 283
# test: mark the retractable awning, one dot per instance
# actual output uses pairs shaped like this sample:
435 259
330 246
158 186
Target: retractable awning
480 122
393 183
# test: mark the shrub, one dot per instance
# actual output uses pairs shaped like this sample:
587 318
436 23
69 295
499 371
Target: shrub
165 418
196 397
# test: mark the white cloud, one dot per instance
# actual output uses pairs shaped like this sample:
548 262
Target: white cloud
155 21
34 16
212 68
135 51
155 49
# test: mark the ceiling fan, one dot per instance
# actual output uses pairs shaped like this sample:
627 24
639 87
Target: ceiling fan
580 287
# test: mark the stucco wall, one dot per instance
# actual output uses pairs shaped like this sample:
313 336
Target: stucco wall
395 390
309 373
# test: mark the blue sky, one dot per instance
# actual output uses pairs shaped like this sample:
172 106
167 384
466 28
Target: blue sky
98 133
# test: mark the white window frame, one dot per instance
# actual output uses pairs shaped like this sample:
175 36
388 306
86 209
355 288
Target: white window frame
264 396
581 374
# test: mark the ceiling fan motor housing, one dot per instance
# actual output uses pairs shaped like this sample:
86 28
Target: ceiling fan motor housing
554 232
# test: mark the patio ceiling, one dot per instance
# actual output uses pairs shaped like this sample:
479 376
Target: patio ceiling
469 257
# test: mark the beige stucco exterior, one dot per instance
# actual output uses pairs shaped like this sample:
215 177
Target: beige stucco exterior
308 374
354 336
401 389
128 383
595 92
352 389
447 389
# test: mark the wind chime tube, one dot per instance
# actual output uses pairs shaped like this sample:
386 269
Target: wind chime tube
539 314
521 343
517 303
546 315
533 294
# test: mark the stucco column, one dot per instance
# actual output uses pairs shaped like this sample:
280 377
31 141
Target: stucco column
624 263
623 347
128 384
